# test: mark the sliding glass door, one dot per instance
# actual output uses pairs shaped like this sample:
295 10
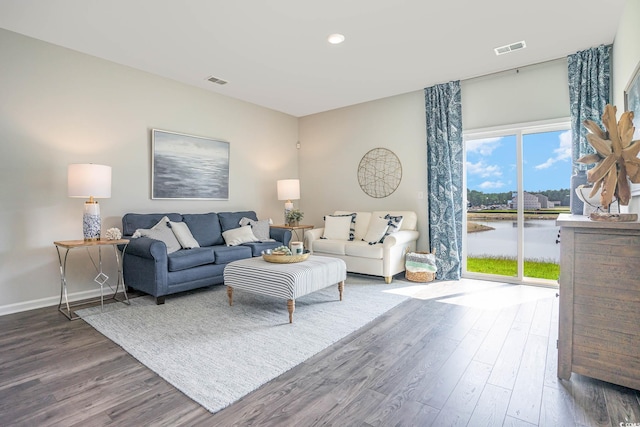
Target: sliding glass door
517 182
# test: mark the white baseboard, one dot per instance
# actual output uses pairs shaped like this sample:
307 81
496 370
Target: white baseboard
46 302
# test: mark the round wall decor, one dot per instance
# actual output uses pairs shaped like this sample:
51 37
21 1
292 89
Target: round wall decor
379 172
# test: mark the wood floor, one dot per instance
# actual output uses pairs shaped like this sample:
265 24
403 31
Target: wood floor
479 359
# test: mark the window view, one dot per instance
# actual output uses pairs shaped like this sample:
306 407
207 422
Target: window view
517 184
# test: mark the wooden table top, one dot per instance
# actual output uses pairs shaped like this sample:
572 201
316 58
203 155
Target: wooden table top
70 244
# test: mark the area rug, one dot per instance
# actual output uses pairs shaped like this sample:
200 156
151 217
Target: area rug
215 353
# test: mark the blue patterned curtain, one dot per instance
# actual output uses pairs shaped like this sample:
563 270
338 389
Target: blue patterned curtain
589 82
444 170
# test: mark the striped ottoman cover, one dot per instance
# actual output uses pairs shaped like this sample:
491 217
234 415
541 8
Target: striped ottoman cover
288 281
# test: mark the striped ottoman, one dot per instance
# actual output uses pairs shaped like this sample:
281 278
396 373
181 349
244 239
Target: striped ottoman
288 281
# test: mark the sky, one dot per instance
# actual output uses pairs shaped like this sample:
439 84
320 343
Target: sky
491 162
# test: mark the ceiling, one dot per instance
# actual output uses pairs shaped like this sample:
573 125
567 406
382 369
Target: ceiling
274 53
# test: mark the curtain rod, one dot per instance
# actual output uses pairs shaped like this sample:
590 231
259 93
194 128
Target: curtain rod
516 69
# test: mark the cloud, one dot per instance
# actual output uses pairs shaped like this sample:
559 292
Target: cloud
483 170
490 185
484 146
562 153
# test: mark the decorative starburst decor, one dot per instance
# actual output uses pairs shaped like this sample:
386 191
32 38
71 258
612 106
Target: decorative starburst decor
616 157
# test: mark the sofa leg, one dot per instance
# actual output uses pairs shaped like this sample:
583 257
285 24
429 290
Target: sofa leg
388 279
160 300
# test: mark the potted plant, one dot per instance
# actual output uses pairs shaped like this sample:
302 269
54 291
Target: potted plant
294 216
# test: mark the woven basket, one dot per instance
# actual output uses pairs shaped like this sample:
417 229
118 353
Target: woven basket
419 276
285 259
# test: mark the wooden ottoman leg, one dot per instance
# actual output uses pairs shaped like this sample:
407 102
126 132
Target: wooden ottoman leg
341 288
291 306
230 294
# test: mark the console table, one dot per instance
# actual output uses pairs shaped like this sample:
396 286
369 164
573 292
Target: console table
101 279
599 324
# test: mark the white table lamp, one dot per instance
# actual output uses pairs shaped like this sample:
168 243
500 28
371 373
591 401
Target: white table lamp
288 189
93 182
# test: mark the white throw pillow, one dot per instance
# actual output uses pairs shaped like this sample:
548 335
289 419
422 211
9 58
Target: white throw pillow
395 222
237 236
164 234
376 231
337 227
183 234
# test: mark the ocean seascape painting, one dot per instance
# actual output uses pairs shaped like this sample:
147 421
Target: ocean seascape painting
189 167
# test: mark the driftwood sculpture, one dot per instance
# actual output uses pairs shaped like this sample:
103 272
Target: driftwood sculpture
616 157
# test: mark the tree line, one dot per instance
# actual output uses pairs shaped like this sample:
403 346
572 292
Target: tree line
478 198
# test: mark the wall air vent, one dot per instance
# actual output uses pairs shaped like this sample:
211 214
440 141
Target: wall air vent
216 80
510 47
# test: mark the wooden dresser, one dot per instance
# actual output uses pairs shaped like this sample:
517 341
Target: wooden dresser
599 331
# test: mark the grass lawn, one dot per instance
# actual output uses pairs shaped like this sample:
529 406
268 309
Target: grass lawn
508 267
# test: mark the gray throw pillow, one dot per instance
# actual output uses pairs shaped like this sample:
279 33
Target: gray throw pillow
259 228
164 234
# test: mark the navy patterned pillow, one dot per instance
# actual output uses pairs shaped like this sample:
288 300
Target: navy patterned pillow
395 222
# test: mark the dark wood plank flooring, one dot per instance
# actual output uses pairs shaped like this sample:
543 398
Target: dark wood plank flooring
423 363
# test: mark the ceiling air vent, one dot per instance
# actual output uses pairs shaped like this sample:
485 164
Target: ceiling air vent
510 48
216 80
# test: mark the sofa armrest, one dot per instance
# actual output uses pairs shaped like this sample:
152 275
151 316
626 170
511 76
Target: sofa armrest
281 235
311 235
148 248
400 237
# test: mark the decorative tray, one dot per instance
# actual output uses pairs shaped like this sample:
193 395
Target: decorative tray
285 259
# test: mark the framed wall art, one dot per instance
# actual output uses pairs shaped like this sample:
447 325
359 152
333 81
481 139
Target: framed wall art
632 100
188 167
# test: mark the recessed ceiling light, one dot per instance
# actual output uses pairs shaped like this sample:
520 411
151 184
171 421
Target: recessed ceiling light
335 38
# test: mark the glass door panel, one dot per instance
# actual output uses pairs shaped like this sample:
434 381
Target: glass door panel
546 182
492 232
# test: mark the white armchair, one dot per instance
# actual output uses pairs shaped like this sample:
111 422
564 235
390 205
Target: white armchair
381 259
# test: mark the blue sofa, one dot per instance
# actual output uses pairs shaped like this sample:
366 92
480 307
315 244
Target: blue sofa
148 268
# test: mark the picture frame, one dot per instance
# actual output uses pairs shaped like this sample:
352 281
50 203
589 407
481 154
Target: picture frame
632 99
188 167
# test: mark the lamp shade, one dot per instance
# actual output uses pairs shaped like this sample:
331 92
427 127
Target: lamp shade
89 181
289 189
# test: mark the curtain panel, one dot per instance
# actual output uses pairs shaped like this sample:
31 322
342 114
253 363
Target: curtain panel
589 91
443 110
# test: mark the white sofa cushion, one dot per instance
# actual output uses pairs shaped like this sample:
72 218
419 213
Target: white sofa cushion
334 247
363 250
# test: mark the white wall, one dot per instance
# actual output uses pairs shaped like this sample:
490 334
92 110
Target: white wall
59 106
626 52
333 143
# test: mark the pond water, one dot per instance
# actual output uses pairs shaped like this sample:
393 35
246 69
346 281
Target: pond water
539 240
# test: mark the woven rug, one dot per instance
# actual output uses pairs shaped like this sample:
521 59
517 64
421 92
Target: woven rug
216 354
